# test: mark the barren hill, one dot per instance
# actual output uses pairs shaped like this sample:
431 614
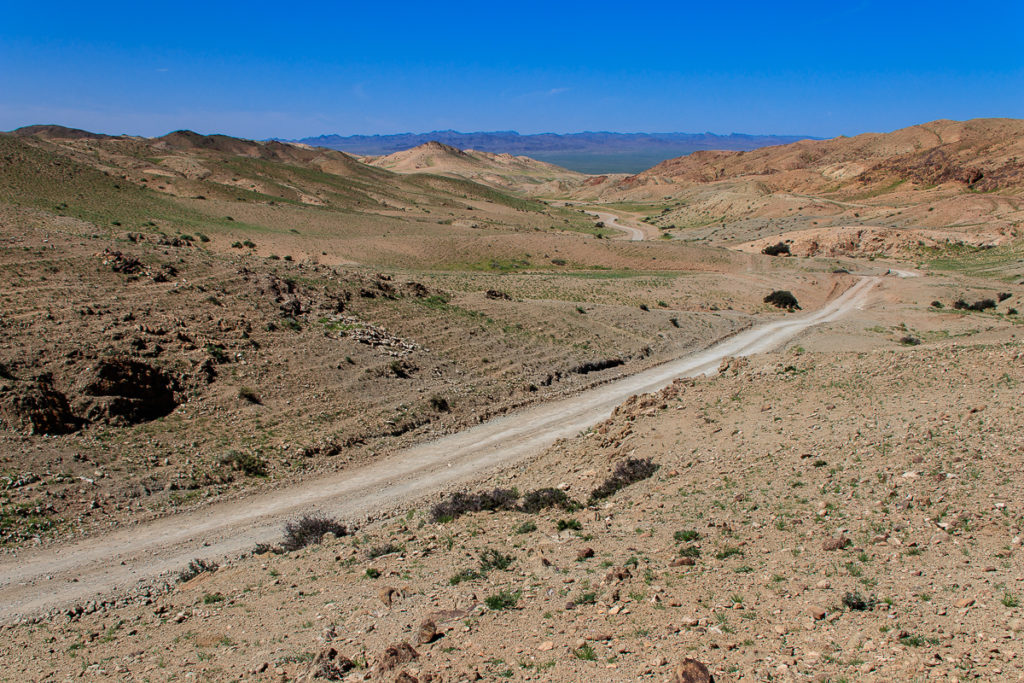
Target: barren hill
914 192
983 154
59 132
513 173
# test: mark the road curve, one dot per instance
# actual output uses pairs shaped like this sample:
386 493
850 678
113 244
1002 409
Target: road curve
612 221
35 580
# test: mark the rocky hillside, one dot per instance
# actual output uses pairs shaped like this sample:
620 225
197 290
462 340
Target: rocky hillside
983 155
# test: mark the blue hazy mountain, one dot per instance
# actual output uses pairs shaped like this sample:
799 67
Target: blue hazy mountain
590 152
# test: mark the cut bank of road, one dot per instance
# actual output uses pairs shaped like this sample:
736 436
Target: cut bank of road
35 580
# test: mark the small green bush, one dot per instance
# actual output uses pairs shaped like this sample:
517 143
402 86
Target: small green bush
503 599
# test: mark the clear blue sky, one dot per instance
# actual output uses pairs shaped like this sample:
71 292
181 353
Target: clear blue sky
260 69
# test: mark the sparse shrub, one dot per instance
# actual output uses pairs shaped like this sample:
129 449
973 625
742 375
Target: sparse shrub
980 305
398 369
382 550
372 573
573 524
249 243
250 395
1012 311
910 340
212 598
782 299
217 352
464 575
195 568
674 321
460 503
491 559
1003 296
581 310
236 245
686 536
778 249
308 530
558 261
586 598
644 307
541 499
526 527
937 304
504 599
202 237
857 602
689 551
249 464
586 653
628 471
727 552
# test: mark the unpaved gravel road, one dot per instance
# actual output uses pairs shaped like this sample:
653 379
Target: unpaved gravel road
612 221
35 580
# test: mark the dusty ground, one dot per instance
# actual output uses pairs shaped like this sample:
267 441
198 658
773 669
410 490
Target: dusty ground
902 457
94 569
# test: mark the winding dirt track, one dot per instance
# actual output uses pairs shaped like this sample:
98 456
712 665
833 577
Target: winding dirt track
612 221
33 581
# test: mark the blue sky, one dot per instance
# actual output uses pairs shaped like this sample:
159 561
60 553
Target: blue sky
261 69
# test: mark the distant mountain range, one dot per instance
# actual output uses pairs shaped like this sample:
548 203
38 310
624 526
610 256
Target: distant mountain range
589 152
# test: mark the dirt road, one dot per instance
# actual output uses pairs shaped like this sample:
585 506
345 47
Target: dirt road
612 221
33 581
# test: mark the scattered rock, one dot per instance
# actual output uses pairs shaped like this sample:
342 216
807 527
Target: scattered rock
426 633
386 595
36 407
397 655
691 671
837 543
330 666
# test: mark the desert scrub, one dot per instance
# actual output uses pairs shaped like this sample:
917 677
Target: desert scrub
503 599
308 530
249 464
491 559
195 568
626 472
460 503
540 499
783 299
464 575
382 550
572 524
